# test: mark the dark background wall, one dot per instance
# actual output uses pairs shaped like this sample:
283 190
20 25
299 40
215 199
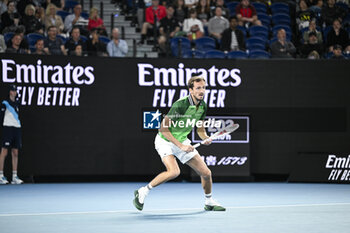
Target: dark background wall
295 106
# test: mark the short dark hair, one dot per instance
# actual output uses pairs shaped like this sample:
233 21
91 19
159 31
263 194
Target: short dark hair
194 79
233 17
49 28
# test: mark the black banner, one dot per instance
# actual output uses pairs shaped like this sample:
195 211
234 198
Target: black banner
84 116
321 167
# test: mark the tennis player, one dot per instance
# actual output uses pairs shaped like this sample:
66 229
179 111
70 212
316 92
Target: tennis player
171 142
11 134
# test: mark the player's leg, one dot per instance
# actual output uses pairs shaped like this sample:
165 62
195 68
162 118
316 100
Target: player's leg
199 166
172 171
3 155
15 178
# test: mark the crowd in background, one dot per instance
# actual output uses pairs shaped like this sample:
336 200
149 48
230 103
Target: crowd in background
315 28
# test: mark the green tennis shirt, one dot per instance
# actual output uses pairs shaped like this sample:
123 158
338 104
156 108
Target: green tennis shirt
184 114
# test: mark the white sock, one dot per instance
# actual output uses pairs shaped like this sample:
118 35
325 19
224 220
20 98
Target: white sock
14 174
1 174
208 196
149 186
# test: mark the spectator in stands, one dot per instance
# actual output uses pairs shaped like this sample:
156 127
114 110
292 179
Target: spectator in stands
30 22
312 28
95 47
315 5
39 47
22 4
330 12
304 15
2 44
15 45
232 38
337 35
169 26
154 14
225 10
96 22
10 19
117 47
191 3
282 48
74 19
312 44
313 55
78 51
24 43
52 44
337 52
180 11
246 14
74 40
193 27
52 19
217 24
3 6
203 11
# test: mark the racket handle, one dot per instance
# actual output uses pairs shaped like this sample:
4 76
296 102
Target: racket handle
196 145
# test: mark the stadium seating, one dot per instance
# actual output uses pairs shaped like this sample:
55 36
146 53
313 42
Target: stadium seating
215 54
104 39
259 54
279 7
237 55
205 43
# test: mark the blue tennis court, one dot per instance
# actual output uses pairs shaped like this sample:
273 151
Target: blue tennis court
175 207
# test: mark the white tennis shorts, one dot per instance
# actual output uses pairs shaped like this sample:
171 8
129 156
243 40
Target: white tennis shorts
165 148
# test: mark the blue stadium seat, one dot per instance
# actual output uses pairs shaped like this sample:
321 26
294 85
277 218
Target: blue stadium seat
243 29
63 39
279 7
70 4
259 31
104 39
33 37
255 42
237 55
8 36
205 43
215 54
176 45
63 14
281 19
232 7
259 54
84 38
85 15
265 19
325 32
260 7
193 54
343 5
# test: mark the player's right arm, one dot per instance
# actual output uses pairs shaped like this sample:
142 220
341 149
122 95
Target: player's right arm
164 129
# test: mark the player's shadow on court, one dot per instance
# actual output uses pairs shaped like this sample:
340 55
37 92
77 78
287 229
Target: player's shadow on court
151 216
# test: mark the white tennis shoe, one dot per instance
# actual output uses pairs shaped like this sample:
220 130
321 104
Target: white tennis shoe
213 205
16 180
3 180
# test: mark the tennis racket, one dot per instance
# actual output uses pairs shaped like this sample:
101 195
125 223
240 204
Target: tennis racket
224 131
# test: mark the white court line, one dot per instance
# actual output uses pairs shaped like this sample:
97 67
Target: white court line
162 210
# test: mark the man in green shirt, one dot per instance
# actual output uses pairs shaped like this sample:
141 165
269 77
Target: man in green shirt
172 141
